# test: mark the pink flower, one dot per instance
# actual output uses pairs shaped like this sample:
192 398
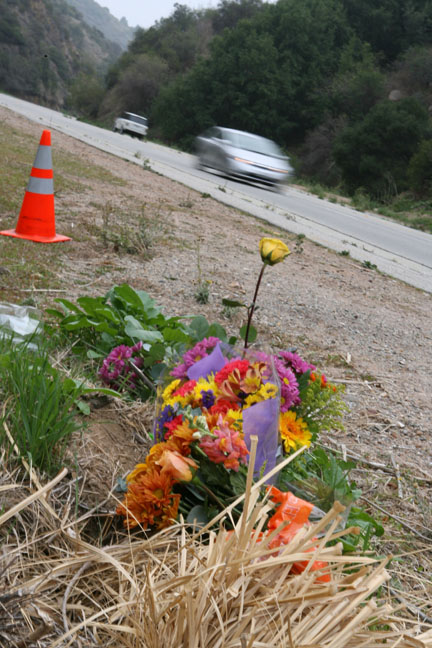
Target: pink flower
226 446
198 352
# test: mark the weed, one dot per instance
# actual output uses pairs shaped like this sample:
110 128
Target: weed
202 293
369 265
136 237
344 253
188 204
229 312
298 245
41 408
205 195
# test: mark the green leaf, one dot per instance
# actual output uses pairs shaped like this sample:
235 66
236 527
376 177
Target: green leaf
197 516
55 312
68 305
134 329
91 304
94 355
216 330
232 303
177 334
252 333
200 327
83 407
238 482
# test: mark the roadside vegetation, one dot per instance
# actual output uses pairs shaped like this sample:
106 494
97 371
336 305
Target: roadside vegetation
350 104
344 89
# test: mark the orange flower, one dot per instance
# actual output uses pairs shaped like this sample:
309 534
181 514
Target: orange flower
176 465
181 438
150 501
139 469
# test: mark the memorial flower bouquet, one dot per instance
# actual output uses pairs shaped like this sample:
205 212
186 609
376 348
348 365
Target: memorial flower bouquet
210 406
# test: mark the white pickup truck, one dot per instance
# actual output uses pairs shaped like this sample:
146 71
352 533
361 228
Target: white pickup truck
131 123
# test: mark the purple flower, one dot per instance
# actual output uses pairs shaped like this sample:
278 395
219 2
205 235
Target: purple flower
208 398
115 368
289 389
297 363
167 414
199 351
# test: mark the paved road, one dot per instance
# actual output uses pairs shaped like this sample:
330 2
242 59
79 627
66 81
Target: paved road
399 251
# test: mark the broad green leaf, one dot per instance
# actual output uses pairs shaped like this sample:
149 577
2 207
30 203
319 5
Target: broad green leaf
216 330
252 334
135 330
91 304
200 327
83 407
69 306
197 516
94 355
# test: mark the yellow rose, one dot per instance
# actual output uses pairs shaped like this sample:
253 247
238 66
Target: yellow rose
272 250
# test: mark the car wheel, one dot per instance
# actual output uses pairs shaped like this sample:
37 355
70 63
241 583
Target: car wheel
200 163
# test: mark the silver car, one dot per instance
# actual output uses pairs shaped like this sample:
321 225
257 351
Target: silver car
243 155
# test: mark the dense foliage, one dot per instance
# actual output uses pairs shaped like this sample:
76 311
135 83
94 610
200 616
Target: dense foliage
316 76
344 87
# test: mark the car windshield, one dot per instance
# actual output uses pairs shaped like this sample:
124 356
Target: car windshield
135 118
253 143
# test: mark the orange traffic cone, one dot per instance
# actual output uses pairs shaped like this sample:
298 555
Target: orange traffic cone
36 221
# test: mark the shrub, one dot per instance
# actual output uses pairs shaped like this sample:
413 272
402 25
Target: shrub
420 170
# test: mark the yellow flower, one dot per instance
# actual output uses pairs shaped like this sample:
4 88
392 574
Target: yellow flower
166 395
294 431
273 250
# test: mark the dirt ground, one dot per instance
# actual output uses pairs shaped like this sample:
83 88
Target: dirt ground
362 328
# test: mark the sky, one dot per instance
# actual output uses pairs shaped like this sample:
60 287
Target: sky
145 13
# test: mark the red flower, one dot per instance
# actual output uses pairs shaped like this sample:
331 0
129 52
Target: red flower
172 425
185 389
235 366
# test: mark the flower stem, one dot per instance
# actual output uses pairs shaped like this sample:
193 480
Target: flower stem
252 306
199 484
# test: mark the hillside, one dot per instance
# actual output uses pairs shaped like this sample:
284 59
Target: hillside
45 45
117 31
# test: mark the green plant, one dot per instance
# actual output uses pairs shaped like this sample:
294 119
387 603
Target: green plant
96 325
202 293
369 265
41 411
322 478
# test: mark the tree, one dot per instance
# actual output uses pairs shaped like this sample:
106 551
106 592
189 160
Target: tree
390 26
137 86
85 95
359 84
374 153
265 75
420 170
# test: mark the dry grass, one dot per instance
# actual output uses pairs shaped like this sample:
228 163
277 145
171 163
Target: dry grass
183 587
